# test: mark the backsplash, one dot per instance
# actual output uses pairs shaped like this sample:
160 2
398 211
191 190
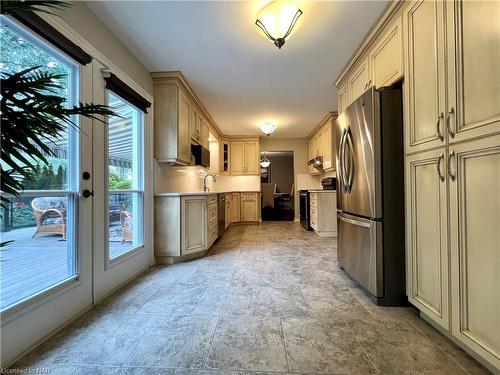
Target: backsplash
190 179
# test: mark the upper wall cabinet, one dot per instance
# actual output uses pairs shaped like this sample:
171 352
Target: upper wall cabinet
343 99
245 157
321 143
172 119
359 81
179 119
386 58
425 77
473 69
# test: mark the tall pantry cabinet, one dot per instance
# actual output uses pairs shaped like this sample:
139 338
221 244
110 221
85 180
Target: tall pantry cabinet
451 90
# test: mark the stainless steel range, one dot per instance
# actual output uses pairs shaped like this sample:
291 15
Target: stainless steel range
370 194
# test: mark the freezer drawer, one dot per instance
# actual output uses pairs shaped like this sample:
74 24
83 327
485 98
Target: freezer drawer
360 251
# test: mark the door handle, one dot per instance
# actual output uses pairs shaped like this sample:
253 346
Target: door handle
350 146
87 193
354 222
438 126
453 175
441 157
342 159
448 122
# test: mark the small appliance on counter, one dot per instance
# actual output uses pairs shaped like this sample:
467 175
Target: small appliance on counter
329 183
201 155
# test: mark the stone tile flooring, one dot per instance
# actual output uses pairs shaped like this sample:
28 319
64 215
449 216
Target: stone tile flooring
269 298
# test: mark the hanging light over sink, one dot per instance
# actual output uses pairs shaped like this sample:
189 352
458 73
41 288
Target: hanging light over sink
277 19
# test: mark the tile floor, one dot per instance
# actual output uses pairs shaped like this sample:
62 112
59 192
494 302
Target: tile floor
269 298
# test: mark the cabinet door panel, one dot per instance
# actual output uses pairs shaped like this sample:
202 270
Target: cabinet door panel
184 141
425 76
343 100
473 65
194 225
252 157
359 81
249 208
327 140
475 245
386 60
235 208
427 257
237 157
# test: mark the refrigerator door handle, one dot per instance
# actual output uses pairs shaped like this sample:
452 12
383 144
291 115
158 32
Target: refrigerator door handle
354 222
342 159
350 146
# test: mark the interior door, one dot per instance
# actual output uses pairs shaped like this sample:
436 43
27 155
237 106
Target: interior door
120 183
46 271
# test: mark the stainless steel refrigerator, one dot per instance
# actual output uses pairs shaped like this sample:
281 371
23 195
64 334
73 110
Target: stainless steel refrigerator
370 194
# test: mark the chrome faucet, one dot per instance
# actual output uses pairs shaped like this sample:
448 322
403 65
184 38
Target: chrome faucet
206 189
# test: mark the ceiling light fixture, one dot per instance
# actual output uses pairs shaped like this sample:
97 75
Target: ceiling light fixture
268 127
265 162
277 20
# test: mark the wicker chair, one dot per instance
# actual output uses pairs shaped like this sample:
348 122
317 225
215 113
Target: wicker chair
50 215
126 220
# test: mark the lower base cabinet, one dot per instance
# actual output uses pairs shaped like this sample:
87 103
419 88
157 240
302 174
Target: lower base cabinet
249 206
322 213
453 242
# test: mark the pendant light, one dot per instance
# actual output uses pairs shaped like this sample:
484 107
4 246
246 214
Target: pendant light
265 162
277 20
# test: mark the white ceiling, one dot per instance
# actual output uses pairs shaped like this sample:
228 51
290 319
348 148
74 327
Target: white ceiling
240 76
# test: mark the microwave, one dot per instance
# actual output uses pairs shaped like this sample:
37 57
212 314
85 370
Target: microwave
201 155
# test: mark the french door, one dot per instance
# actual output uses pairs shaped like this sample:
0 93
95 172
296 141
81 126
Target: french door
46 231
79 229
119 184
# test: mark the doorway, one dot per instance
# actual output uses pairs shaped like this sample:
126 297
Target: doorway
277 185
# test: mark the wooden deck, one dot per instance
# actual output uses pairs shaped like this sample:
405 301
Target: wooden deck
30 265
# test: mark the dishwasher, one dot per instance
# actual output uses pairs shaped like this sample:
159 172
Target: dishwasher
221 216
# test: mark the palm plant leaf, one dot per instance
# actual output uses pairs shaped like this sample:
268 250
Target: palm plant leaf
10 6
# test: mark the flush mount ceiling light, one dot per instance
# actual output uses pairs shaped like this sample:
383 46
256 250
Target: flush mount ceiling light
268 127
265 162
277 20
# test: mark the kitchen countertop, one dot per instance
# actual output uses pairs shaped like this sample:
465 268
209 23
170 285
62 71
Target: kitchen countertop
180 194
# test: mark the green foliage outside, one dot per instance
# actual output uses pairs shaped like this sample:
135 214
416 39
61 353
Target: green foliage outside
118 182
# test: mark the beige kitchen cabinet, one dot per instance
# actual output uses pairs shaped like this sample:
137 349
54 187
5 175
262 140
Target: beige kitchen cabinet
343 98
195 129
212 217
235 208
249 207
474 187
359 81
321 143
227 212
425 79
473 30
322 211
194 224
225 156
172 114
426 234
386 58
204 132
244 157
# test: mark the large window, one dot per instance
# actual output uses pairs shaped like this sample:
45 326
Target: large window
40 225
126 181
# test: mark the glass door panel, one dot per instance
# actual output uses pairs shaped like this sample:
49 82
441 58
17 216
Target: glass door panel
39 228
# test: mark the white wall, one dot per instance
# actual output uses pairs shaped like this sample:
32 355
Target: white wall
81 19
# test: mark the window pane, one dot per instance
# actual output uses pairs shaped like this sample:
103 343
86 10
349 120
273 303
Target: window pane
125 222
124 146
41 254
125 169
40 228
21 51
